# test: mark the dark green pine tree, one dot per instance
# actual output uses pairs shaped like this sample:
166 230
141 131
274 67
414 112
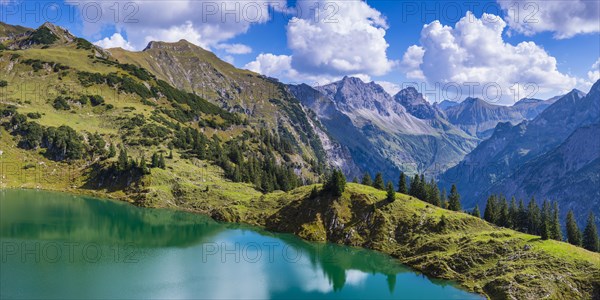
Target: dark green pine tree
475 212
555 230
154 160
143 165
123 160
434 193
112 152
355 180
545 221
336 183
444 199
454 199
391 193
533 217
422 189
414 186
366 180
521 217
491 211
402 187
378 183
573 232
161 162
513 213
503 213
590 235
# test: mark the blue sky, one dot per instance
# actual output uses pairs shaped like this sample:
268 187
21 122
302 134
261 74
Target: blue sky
504 50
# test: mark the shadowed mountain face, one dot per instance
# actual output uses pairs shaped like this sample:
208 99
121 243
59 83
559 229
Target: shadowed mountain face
479 118
540 158
385 133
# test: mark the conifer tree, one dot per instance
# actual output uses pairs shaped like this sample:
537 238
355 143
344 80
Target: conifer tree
123 160
336 183
391 194
573 232
476 212
366 180
545 221
355 180
590 235
503 213
378 183
434 193
454 199
444 199
513 213
154 160
161 162
555 230
414 186
490 214
521 217
143 166
112 152
533 217
422 189
402 187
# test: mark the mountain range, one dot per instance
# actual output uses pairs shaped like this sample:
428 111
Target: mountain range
384 133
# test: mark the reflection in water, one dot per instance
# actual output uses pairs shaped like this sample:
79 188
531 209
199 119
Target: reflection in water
62 246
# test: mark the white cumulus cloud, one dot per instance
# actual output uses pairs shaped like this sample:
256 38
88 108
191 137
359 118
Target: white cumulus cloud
564 18
474 56
202 22
338 38
594 73
234 48
328 40
280 66
115 41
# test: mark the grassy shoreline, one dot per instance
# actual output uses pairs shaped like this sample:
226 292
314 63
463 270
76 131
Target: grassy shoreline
359 218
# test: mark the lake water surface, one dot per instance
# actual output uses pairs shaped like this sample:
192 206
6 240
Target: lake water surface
61 246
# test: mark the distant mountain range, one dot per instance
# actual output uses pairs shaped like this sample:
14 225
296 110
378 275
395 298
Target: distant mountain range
553 156
405 132
385 133
479 118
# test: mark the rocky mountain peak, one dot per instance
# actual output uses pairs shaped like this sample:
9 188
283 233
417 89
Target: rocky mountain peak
180 46
410 96
415 104
61 33
352 93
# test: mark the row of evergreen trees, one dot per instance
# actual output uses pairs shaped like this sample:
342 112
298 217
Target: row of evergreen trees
418 188
543 221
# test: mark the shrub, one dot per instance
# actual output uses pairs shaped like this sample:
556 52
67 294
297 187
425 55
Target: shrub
96 100
34 115
43 36
60 103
